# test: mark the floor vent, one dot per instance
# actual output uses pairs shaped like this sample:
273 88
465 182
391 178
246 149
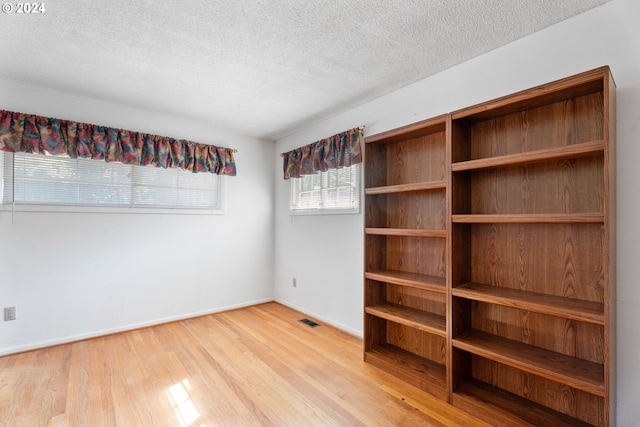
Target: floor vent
309 323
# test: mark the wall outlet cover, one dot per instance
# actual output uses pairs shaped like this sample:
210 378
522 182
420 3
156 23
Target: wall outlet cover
9 313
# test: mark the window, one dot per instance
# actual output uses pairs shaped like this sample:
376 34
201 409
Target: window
34 179
334 191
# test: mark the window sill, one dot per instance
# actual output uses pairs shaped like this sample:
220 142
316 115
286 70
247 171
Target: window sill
350 211
106 210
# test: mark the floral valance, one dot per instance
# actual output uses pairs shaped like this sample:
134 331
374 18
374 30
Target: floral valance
36 134
340 150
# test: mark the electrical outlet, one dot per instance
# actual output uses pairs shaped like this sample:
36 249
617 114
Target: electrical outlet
9 313
295 282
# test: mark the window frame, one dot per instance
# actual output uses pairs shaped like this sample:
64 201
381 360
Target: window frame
106 209
329 211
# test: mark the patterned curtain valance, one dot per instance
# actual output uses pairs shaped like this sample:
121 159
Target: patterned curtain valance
340 150
36 134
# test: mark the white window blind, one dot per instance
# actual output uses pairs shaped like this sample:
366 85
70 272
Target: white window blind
335 189
35 179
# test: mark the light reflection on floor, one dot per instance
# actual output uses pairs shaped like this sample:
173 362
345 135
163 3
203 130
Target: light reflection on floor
184 408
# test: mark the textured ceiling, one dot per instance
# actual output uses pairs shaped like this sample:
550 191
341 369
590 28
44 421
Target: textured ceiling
262 68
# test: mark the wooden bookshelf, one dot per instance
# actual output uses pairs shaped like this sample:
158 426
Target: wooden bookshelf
531 251
401 188
572 371
412 317
405 244
421 372
490 254
557 153
415 280
506 409
568 308
557 218
407 232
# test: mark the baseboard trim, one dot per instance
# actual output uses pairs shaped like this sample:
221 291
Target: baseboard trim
326 320
96 334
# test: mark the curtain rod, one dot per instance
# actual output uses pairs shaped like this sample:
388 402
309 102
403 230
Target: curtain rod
360 128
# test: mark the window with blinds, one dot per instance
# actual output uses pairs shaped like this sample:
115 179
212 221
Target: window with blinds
34 179
334 190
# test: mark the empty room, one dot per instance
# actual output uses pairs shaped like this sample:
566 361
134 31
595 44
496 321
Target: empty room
339 213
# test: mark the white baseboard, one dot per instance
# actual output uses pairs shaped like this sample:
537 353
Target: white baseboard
317 316
95 334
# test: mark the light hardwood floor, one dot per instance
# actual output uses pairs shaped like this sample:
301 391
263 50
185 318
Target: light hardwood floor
256 366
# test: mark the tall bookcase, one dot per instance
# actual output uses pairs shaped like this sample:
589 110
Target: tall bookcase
405 265
505 307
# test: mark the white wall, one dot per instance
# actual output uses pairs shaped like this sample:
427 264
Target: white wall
74 275
608 35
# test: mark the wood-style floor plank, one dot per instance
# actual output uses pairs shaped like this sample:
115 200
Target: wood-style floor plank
256 366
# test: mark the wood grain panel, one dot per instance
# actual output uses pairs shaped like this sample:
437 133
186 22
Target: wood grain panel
375 292
566 186
584 311
574 151
505 409
375 211
423 344
561 260
575 403
406 232
417 319
461 254
410 131
403 188
376 331
416 160
575 86
566 336
375 257
609 249
416 255
566 122
418 371
552 218
419 210
432 302
420 281
375 165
